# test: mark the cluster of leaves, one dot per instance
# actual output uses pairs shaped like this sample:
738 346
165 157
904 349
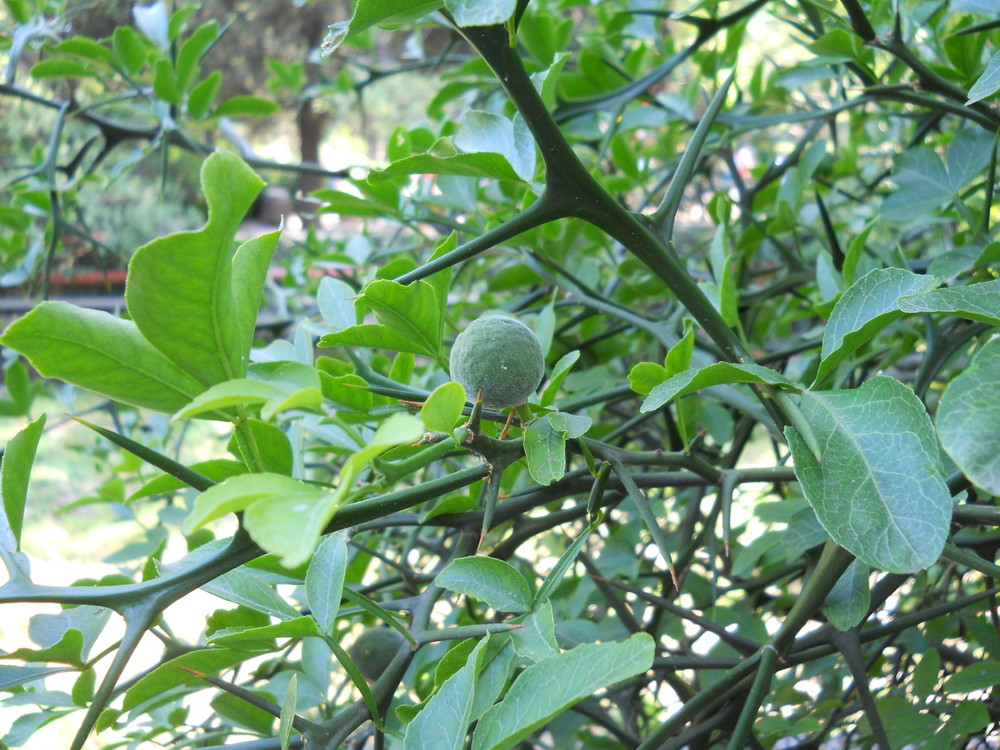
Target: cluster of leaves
727 501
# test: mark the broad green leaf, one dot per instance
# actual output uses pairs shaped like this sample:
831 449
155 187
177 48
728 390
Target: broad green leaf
545 451
926 183
61 68
486 132
102 353
537 639
719 373
245 105
67 650
167 676
968 419
847 603
382 13
879 491
566 559
926 674
571 425
165 82
239 492
988 83
549 687
12 676
188 295
981 676
270 450
290 517
869 305
192 50
15 473
443 408
494 582
236 392
298 627
247 589
250 264
85 47
410 311
372 337
979 302
645 376
241 713
481 164
443 723
130 48
480 12
325 580
334 301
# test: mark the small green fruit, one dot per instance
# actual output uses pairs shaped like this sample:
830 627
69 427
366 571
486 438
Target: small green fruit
375 649
500 356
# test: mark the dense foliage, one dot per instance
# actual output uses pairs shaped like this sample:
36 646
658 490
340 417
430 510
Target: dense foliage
752 501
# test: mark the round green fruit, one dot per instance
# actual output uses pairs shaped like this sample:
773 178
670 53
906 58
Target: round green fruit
375 649
499 356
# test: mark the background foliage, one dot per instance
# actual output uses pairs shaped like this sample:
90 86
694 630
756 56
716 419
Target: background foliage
753 501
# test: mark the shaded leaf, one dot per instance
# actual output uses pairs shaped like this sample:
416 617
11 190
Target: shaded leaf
869 305
492 581
548 687
979 302
101 353
968 419
879 491
716 374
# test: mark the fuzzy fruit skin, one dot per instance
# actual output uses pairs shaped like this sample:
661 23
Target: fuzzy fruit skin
374 650
500 356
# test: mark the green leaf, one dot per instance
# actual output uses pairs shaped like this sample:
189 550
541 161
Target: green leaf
486 132
245 105
372 337
130 48
492 581
202 95
545 451
188 295
719 373
443 723
325 580
334 301
980 302
869 305
13 676
382 13
238 392
925 182
645 376
271 444
240 492
482 164
60 68
480 12
410 311
548 687
82 46
847 603
443 408
167 676
988 83
102 353
248 589
165 82
879 491
192 50
15 473
559 373
968 419
67 650
242 714
245 638
536 640
288 712
983 675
